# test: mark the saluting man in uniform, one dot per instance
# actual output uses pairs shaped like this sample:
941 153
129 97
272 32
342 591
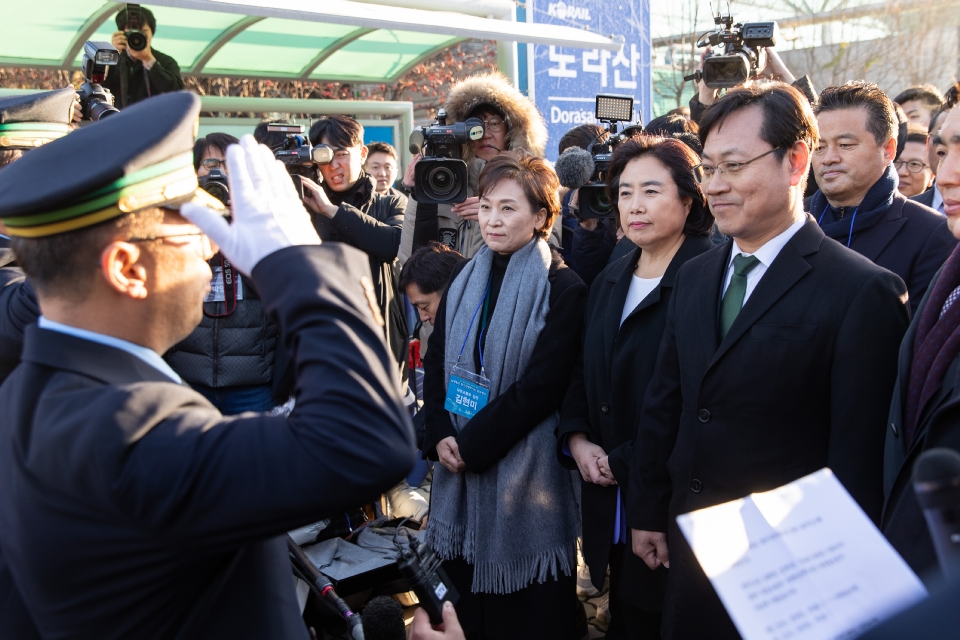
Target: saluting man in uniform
26 122
129 507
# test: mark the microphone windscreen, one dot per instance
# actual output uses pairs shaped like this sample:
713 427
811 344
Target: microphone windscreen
416 141
574 167
383 620
937 466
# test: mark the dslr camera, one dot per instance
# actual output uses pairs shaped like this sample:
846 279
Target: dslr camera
215 183
96 101
740 54
440 176
136 39
593 197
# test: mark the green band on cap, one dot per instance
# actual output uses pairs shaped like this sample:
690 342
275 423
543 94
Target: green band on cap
35 126
145 181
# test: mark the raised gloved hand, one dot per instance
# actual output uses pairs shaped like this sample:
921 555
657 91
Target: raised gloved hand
267 214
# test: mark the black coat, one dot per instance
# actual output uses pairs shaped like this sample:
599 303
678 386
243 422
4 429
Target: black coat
508 418
374 227
910 239
18 308
133 508
925 198
162 77
604 400
801 382
938 426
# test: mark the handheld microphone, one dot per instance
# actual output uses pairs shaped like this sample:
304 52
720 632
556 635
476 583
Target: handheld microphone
936 480
574 167
383 620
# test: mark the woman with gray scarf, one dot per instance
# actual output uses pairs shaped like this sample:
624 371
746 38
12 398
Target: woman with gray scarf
504 513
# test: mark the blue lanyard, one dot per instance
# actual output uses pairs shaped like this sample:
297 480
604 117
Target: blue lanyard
853 221
472 320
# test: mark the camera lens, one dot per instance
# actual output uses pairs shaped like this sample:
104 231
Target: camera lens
441 181
100 109
598 202
136 40
219 191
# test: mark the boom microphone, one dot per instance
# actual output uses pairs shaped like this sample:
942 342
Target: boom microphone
574 167
936 480
383 620
416 141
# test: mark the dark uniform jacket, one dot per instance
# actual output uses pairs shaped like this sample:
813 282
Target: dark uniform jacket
18 308
232 350
162 77
131 508
372 222
895 233
604 400
802 381
925 198
938 426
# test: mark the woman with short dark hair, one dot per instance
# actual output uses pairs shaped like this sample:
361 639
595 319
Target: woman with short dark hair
663 211
503 513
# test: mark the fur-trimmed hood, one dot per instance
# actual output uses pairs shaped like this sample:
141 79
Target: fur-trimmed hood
526 128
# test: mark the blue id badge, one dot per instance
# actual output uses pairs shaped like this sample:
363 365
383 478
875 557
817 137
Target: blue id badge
467 393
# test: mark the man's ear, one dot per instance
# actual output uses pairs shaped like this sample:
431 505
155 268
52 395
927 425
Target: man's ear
890 150
363 154
121 268
799 159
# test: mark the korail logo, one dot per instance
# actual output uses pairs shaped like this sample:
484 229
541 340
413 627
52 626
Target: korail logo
566 11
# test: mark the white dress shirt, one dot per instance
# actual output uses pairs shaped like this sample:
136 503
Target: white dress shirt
765 254
149 356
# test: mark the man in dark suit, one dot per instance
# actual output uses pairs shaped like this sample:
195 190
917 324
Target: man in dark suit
936 149
858 203
925 412
128 505
778 358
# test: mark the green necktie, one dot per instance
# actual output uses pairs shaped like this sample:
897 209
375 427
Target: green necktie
733 298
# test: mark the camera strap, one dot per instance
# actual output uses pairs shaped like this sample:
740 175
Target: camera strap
229 276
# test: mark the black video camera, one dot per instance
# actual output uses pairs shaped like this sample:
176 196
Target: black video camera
441 176
215 183
741 56
297 154
96 101
593 198
420 568
136 39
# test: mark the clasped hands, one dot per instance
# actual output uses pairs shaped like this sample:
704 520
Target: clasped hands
449 454
592 461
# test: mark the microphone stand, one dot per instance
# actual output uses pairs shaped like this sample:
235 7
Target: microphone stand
321 585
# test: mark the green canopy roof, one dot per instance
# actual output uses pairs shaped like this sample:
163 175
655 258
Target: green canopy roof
222 44
282 39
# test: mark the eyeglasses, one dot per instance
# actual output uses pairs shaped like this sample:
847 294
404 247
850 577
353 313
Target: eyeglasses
207 248
704 173
213 163
494 125
914 166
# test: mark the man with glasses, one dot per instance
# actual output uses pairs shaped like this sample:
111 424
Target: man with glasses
171 518
858 203
916 175
779 355
230 356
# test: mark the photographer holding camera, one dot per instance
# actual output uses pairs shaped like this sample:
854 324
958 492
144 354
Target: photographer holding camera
510 123
143 71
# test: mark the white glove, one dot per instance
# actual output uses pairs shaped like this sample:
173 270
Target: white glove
267 214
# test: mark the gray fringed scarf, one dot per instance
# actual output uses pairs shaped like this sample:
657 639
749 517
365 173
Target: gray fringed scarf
518 521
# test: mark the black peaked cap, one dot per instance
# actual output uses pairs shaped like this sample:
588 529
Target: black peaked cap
49 106
56 176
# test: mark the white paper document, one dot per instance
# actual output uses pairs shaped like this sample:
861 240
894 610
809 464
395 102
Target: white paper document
802 562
